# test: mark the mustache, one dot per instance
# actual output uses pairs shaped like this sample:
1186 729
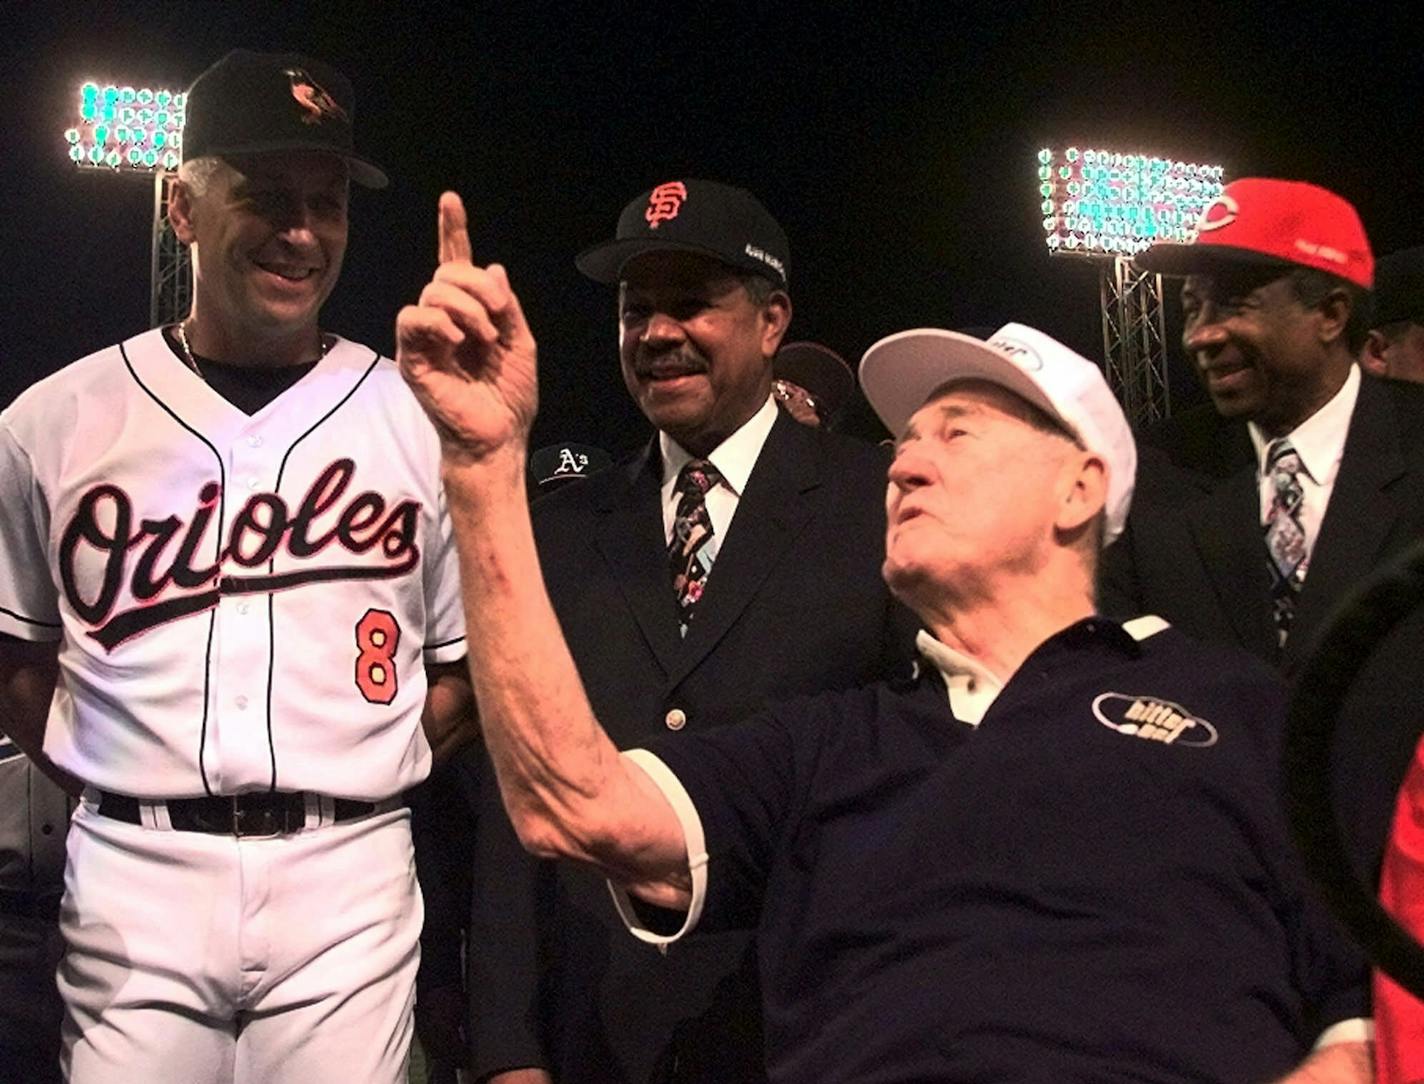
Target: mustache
653 365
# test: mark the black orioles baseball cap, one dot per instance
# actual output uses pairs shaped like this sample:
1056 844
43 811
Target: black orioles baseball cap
703 217
260 103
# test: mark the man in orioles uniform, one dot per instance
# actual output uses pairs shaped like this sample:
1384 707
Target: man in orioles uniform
232 623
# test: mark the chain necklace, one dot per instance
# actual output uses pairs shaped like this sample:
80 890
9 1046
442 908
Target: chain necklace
181 330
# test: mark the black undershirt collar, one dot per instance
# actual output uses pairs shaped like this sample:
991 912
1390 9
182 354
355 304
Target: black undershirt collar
247 387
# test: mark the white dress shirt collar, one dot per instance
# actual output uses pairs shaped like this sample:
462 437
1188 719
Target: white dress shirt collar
734 458
1320 439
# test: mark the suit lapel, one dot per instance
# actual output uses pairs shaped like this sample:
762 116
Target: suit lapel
1360 515
629 533
770 514
1226 526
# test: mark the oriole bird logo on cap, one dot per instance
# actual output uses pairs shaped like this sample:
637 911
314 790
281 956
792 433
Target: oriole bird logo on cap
316 103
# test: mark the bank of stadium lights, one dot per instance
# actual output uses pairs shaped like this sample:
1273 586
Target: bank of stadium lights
127 129
1100 203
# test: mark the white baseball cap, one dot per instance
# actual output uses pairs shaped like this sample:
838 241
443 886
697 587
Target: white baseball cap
899 373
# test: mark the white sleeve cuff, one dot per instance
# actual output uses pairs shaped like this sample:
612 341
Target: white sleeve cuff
452 650
681 802
1360 1029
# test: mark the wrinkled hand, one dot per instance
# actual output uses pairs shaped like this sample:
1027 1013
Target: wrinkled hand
466 351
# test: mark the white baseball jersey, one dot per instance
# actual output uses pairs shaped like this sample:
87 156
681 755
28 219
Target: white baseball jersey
244 602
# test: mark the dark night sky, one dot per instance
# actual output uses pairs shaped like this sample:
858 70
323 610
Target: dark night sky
894 142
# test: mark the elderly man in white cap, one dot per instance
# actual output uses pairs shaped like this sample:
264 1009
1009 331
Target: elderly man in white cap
1053 855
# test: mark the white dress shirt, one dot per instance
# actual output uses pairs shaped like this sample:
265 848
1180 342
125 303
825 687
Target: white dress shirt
1320 443
734 458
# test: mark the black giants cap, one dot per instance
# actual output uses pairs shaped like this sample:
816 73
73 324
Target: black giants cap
258 103
702 217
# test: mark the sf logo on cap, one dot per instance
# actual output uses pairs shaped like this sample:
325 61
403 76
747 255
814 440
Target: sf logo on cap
664 202
316 103
1221 211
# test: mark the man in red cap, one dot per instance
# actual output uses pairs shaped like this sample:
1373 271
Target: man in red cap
1255 515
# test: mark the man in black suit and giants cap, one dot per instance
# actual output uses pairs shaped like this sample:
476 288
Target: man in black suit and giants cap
736 559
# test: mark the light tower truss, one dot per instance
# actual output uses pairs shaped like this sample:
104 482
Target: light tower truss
1135 340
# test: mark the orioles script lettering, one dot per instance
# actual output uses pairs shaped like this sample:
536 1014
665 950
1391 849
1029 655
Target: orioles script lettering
161 559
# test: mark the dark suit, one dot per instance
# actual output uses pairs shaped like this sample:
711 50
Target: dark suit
1194 553
795 603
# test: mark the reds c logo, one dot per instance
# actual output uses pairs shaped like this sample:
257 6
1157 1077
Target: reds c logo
316 103
664 202
1221 211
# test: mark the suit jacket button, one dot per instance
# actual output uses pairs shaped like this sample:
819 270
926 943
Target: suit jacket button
675 719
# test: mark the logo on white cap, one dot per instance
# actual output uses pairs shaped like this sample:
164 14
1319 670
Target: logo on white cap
1020 353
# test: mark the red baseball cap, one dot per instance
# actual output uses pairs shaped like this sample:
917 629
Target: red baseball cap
1267 221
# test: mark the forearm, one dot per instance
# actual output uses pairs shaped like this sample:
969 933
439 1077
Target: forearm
449 716
567 791
28 673
1339 1063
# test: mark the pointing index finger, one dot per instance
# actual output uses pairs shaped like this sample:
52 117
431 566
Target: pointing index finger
454 229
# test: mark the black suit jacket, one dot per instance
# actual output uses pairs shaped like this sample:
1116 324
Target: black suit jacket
794 604
1194 553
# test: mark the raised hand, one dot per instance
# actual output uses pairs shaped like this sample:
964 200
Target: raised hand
466 351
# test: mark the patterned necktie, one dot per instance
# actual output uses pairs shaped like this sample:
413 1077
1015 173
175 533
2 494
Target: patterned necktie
1285 537
689 554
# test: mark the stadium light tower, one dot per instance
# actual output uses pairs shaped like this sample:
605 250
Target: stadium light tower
1107 206
138 133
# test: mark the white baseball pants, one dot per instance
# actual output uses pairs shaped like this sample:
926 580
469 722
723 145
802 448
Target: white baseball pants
199 958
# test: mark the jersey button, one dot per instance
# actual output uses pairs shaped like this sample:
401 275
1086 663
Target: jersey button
241 703
254 441
252 482
676 719
243 607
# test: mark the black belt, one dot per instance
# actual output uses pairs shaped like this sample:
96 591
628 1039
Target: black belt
29 904
260 813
